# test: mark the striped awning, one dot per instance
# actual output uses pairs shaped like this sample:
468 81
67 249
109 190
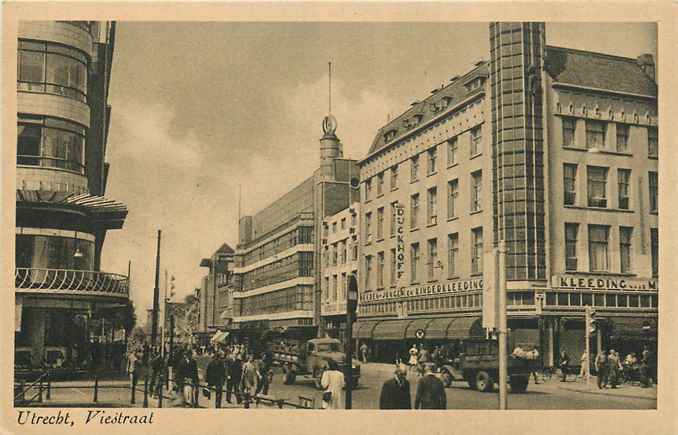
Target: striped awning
104 212
464 327
390 330
363 329
437 328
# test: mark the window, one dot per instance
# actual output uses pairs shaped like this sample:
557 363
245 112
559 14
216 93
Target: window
654 243
334 288
343 286
623 182
476 137
598 258
452 194
380 184
414 259
327 289
432 157
597 186
571 231
380 270
569 131
354 252
342 252
452 254
392 274
451 151
392 226
595 134
368 271
570 183
52 69
625 235
476 191
654 186
432 195
394 177
652 142
432 258
414 212
622 138
334 227
335 251
380 223
343 223
414 175
50 142
368 189
368 227
477 251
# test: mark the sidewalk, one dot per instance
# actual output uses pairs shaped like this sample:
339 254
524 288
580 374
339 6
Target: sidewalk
625 390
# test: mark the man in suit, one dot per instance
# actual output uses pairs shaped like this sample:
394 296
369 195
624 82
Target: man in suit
430 391
395 393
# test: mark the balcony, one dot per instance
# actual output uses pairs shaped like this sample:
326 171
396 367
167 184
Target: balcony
71 282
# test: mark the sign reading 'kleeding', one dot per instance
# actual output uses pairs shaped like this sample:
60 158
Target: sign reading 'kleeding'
603 283
423 290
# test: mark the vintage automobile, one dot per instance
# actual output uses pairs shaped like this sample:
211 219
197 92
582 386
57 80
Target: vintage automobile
478 365
310 358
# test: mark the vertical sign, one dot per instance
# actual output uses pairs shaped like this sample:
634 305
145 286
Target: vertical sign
399 216
490 289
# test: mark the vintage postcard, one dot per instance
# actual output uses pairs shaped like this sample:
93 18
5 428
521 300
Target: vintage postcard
215 213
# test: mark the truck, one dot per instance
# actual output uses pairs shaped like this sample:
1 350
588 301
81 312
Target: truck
310 358
478 364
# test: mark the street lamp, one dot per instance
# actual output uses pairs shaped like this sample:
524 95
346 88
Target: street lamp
351 305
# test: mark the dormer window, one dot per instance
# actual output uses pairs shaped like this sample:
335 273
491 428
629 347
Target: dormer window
416 119
390 135
474 84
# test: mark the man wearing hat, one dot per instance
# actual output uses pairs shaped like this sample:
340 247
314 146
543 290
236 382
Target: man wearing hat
430 391
395 393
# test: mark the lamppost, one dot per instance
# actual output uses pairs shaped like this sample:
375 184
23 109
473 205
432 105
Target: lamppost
351 305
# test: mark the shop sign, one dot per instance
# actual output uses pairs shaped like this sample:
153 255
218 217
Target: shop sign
460 286
419 333
603 283
399 211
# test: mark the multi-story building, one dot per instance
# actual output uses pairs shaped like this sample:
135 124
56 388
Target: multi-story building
214 289
62 216
275 274
339 259
551 150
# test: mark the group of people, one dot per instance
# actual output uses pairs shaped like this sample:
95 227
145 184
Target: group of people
232 369
420 356
430 393
612 370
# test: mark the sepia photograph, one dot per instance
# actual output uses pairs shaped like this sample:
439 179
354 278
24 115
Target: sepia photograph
335 216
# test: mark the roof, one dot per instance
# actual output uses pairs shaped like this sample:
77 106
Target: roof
598 70
454 92
225 249
103 211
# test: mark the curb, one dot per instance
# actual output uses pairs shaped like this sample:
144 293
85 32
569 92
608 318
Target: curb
600 393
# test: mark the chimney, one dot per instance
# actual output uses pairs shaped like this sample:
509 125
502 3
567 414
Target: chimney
646 63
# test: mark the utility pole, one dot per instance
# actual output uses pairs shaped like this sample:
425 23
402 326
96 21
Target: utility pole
156 295
502 329
590 327
351 305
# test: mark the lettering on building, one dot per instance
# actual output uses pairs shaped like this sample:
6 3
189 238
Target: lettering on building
461 286
603 283
400 240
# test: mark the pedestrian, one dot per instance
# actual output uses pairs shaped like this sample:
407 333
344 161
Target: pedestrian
250 378
134 368
430 391
601 370
395 393
583 362
216 374
187 377
564 363
413 357
233 379
157 365
651 360
262 376
332 382
363 352
613 368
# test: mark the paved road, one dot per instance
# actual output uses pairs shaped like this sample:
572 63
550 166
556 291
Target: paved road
549 395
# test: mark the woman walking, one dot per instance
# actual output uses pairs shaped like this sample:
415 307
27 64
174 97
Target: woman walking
413 362
332 382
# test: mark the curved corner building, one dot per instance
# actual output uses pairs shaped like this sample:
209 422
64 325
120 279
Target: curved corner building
61 214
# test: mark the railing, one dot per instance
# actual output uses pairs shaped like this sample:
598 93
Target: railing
22 391
75 281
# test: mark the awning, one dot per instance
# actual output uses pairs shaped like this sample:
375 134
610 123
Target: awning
104 212
416 325
437 329
364 329
464 327
633 327
390 330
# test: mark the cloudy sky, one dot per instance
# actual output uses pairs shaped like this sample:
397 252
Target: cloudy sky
199 108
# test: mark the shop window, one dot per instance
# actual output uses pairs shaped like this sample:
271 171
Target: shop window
611 301
587 299
645 301
563 299
599 300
